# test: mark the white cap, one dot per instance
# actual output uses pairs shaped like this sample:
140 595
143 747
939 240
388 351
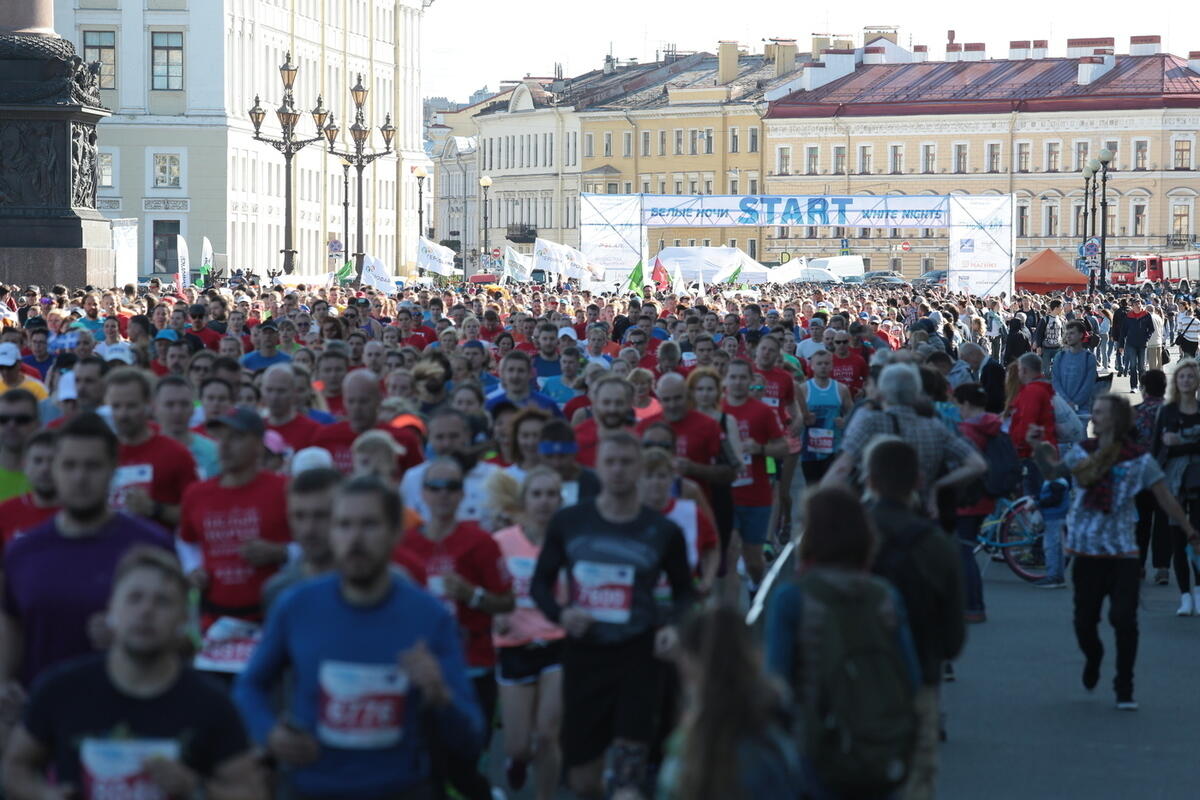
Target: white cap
568 332
66 387
10 354
120 352
310 458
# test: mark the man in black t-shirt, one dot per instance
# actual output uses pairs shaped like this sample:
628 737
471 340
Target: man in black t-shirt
135 721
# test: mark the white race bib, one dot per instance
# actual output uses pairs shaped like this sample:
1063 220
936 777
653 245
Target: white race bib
820 440
604 590
228 645
361 706
126 478
112 768
773 402
521 570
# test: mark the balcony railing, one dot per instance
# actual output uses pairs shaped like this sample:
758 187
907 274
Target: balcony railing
522 234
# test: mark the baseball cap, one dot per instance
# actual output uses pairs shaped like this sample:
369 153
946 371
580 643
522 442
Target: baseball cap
9 354
120 352
569 332
311 458
168 334
242 420
875 318
269 325
66 388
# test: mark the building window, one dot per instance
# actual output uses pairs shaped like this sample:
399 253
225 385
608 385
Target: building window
691 187
753 251
628 187
645 187
866 262
1181 220
662 143
1139 219
926 233
781 232
897 264
166 171
708 187
811 156
693 139
1022 221
783 160
1183 154
1081 155
754 140
627 144
1051 226
1023 149
662 186
607 144
167 61
839 160
960 158
733 186
1053 153
645 143
733 242
1077 224
754 186
105 164
864 233
677 242
896 159
612 188
678 187
993 158
864 159
678 142
928 159
708 141
926 264
1141 154
166 253
588 147
691 242
733 140
102 46
1111 146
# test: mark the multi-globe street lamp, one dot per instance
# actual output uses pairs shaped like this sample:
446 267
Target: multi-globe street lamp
288 144
485 183
421 175
360 134
1099 167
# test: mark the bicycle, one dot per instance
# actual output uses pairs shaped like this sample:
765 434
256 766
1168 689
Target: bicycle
1014 533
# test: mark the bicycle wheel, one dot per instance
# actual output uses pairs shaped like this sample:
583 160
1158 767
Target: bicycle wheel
1021 542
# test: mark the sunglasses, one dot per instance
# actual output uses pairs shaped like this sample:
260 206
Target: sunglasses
444 486
18 419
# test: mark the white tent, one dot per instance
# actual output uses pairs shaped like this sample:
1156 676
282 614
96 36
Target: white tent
806 275
785 273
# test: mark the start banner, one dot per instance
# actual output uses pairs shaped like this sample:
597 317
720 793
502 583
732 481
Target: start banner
709 211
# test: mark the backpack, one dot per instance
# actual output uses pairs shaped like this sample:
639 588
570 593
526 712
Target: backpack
1052 335
1003 474
860 721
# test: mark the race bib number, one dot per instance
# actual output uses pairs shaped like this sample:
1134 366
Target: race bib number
744 478
437 587
112 768
228 645
361 706
604 590
521 570
773 402
820 440
129 477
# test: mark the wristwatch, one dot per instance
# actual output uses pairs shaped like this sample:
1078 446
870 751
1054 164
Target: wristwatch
477 597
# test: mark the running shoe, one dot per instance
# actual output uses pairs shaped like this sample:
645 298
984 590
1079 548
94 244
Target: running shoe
1050 583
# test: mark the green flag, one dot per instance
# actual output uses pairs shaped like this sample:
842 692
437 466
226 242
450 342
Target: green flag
636 281
345 272
734 276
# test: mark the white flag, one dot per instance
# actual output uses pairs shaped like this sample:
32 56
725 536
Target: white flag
184 276
517 267
677 284
375 274
206 254
435 258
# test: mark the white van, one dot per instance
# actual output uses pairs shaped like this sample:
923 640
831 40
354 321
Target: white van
841 266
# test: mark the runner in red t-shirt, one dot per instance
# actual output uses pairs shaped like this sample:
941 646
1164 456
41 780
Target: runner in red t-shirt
762 437
464 568
153 470
612 407
237 521
848 367
200 329
23 513
279 396
361 392
697 435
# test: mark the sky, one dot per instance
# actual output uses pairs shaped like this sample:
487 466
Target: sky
472 43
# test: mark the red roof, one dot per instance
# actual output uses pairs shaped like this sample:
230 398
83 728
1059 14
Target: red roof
973 87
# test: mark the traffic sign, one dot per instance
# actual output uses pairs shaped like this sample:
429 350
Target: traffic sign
905 246
495 252
1091 247
845 245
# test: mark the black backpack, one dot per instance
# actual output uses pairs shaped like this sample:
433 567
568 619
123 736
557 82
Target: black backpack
1003 474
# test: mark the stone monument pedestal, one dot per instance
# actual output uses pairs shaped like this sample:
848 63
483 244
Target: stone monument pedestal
50 230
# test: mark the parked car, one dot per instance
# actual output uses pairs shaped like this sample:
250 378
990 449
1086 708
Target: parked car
879 272
935 277
888 280
853 278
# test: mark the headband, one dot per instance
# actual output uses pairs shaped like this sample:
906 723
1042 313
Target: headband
557 448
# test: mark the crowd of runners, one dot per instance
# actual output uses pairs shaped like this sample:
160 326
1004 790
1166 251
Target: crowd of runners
311 542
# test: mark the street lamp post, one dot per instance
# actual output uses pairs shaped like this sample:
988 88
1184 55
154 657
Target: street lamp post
1087 189
345 210
485 183
288 145
421 176
360 133
1100 165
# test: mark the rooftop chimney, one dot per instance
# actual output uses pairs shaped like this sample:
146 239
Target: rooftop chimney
1145 45
610 65
953 52
785 57
1092 68
1039 49
1019 50
920 52
974 51
727 61
1084 47
1194 61
874 55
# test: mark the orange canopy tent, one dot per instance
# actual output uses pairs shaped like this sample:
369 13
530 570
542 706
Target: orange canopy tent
1048 272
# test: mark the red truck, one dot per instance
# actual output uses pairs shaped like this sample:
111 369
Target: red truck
1135 270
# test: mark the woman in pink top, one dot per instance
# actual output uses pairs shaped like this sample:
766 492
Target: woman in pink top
528 646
